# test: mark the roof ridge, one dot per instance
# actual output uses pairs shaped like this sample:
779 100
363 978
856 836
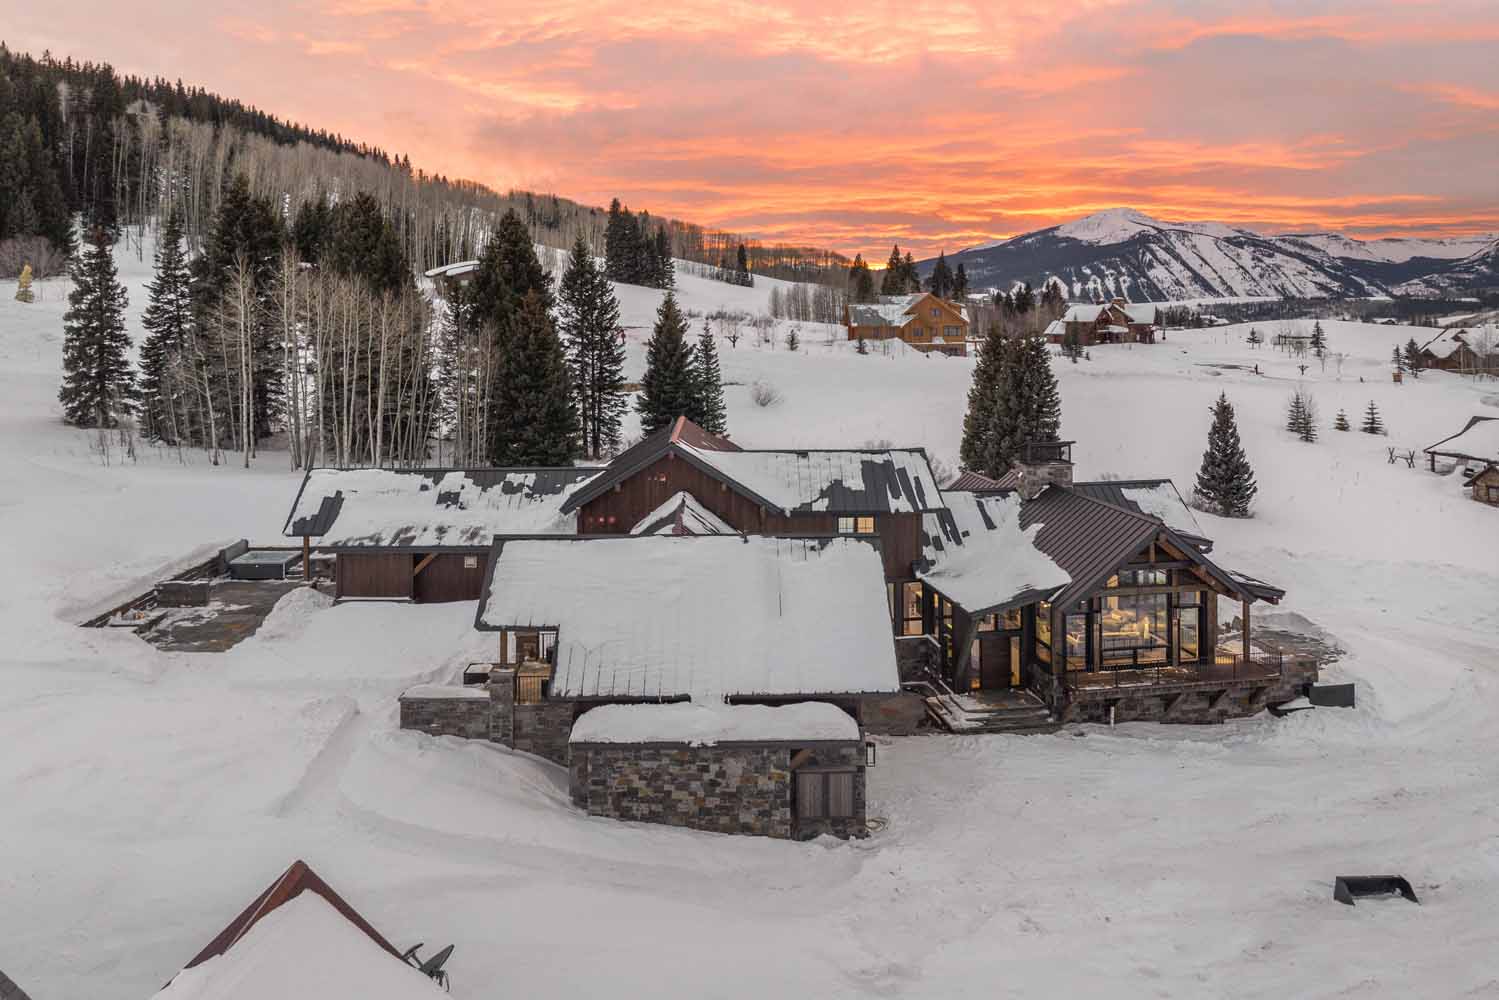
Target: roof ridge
1150 518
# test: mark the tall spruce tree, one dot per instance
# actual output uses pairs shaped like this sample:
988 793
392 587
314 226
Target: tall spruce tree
589 320
669 388
1318 341
1397 359
98 385
712 415
1301 416
1372 423
941 280
1413 357
535 420
1225 482
893 281
980 450
960 282
168 319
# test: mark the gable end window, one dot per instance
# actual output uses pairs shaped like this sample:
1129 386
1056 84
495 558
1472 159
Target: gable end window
856 526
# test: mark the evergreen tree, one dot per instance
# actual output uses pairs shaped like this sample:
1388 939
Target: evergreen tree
1413 357
23 285
1341 422
508 269
1301 417
741 260
712 414
589 319
893 281
310 229
665 270
1254 337
1041 409
941 281
861 281
1225 482
359 240
168 320
536 423
1372 423
1397 358
669 388
98 383
1318 342
960 283
978 452
912 280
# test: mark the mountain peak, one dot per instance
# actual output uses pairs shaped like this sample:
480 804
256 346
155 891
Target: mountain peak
1112 225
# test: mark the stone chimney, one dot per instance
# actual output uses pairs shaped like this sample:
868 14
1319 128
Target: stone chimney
1042 464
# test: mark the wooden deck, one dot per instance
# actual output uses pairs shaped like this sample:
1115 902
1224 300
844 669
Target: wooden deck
1164 678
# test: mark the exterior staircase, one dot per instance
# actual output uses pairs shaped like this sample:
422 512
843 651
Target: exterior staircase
1015 712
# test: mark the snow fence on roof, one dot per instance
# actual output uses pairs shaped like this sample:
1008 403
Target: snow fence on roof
706 725
703 618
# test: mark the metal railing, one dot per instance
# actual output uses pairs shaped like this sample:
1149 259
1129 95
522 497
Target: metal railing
1224 669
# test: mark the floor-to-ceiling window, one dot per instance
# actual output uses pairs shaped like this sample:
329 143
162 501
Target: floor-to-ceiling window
1133 627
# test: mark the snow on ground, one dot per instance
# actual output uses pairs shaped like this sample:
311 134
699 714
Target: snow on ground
146 797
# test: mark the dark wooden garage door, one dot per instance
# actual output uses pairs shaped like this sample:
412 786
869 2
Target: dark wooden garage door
451 576
374 575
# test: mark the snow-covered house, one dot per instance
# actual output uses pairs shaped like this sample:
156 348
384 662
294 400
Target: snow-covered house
922 320
422 534
450 276
1113 322
299 938
1476 449
1465 351
711 681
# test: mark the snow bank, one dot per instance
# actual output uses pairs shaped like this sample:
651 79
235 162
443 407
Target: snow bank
705 725
302 950
289 618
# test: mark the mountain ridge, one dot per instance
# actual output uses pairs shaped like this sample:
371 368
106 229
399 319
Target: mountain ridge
1123 251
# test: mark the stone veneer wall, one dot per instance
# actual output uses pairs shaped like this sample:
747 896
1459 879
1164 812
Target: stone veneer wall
1197 707
540 729
466 717
743 789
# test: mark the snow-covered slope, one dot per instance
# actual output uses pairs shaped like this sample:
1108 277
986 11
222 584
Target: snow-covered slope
145 797
1122 251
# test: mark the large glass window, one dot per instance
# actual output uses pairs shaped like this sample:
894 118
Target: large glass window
1077 641
905 608
1133 629
1189 634
1043 631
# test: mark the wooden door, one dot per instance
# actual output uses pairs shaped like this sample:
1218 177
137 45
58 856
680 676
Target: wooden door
998 655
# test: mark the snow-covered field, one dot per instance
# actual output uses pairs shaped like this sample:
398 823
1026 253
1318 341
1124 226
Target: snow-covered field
146 797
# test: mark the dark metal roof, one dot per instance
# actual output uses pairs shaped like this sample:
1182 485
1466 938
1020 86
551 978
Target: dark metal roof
532 481
1112 491
1090 538
888 480
977 482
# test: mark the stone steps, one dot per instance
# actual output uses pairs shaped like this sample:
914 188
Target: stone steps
960 715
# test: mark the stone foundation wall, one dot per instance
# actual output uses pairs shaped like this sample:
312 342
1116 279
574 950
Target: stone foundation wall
743 790
543 729
466 717
894 714
915 655
1194 707
845 827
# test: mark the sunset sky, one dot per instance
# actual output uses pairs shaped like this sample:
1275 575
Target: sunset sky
938 125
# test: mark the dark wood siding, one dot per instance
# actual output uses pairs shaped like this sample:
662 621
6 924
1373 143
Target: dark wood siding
374 575
617 511
446 579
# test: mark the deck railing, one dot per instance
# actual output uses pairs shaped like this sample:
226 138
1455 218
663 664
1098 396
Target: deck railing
1225 668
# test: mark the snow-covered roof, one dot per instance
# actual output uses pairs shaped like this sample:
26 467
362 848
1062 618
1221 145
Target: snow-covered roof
1479 441
887 310
706 725
432 507
682 515
891 480
979 557
453 270
302 948
1054 329
1135 312
703 618
446 691
1158 498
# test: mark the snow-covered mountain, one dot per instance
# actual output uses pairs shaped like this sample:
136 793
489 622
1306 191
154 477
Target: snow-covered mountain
1125 252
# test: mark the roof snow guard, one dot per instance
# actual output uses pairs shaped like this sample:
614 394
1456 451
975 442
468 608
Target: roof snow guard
876 481
423 508
655 617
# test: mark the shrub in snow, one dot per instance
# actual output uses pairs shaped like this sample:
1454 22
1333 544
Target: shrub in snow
23 287
764 394
1341 423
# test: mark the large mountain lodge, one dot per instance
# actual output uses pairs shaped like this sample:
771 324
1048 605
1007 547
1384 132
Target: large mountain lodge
704 588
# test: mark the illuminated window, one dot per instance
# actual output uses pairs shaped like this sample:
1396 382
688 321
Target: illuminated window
856 526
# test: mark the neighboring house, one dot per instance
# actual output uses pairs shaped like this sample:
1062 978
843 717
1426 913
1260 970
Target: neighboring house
1113 322
709 682
922 320
299 938
1475 447
422 534
1485 484
450 276
1466 351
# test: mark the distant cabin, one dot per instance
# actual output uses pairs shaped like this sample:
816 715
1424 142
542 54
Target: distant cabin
1485 485
1475 449
1113 322
451 276
1462 351
924 321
